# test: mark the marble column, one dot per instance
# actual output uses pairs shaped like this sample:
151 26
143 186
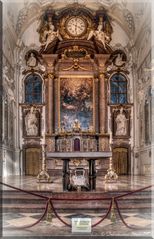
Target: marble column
102 93
50 63
103 116
50 103
102 104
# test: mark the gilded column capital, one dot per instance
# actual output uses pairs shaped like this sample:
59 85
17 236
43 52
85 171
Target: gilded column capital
102 74
51 75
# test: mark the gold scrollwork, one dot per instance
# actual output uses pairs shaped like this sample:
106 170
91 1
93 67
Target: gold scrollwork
76 162
75 66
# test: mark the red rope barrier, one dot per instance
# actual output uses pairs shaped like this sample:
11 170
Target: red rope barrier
56 214
25 191
54 210
121 217
35 223
134 191
105 216
49 200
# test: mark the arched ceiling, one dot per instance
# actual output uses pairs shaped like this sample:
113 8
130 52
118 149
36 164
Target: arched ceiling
129 14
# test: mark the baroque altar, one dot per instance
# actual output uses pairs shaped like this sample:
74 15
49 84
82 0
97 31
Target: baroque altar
69 105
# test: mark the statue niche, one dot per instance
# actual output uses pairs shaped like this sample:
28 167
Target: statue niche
120 123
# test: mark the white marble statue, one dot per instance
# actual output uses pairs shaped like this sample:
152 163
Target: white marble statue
8 84
118 60
6 79
98 34
121 122
32 60
31 123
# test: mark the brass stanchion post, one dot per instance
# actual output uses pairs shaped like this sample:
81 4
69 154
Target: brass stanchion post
49 216
113 216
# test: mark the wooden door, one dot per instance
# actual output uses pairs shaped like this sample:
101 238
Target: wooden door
33 161
120 160
76 144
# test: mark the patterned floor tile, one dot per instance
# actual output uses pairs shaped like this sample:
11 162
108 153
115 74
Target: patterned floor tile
136 221
104 223
129 214
21 221
8 216
30 214
145 216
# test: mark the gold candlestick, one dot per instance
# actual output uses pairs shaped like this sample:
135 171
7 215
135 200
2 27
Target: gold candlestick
111 175
43 175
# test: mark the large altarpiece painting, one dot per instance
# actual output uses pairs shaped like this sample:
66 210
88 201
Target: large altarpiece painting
76 103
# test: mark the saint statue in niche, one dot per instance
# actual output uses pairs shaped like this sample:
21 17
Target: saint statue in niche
31 123
121 123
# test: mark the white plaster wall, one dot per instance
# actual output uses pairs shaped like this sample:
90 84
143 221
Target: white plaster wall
145 162
119 36
31 36
141 86
8 166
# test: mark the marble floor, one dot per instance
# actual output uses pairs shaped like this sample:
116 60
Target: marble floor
142 222
56 228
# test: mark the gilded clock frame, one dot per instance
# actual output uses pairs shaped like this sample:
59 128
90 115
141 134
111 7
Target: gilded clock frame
66 35
78 35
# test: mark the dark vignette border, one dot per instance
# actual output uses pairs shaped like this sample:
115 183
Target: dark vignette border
81 237
1 163
1 100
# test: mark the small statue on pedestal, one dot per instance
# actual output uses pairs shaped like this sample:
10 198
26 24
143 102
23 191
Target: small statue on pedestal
76 125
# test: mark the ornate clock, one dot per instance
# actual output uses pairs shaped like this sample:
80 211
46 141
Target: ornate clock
76 26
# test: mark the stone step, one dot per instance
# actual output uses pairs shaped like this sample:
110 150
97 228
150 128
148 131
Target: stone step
66 194
15 201
40 207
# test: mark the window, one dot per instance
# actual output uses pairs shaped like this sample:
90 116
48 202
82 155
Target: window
33 89
118 89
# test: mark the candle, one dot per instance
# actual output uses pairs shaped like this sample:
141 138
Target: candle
110 140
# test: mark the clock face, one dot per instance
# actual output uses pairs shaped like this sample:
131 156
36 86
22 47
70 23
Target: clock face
76 26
